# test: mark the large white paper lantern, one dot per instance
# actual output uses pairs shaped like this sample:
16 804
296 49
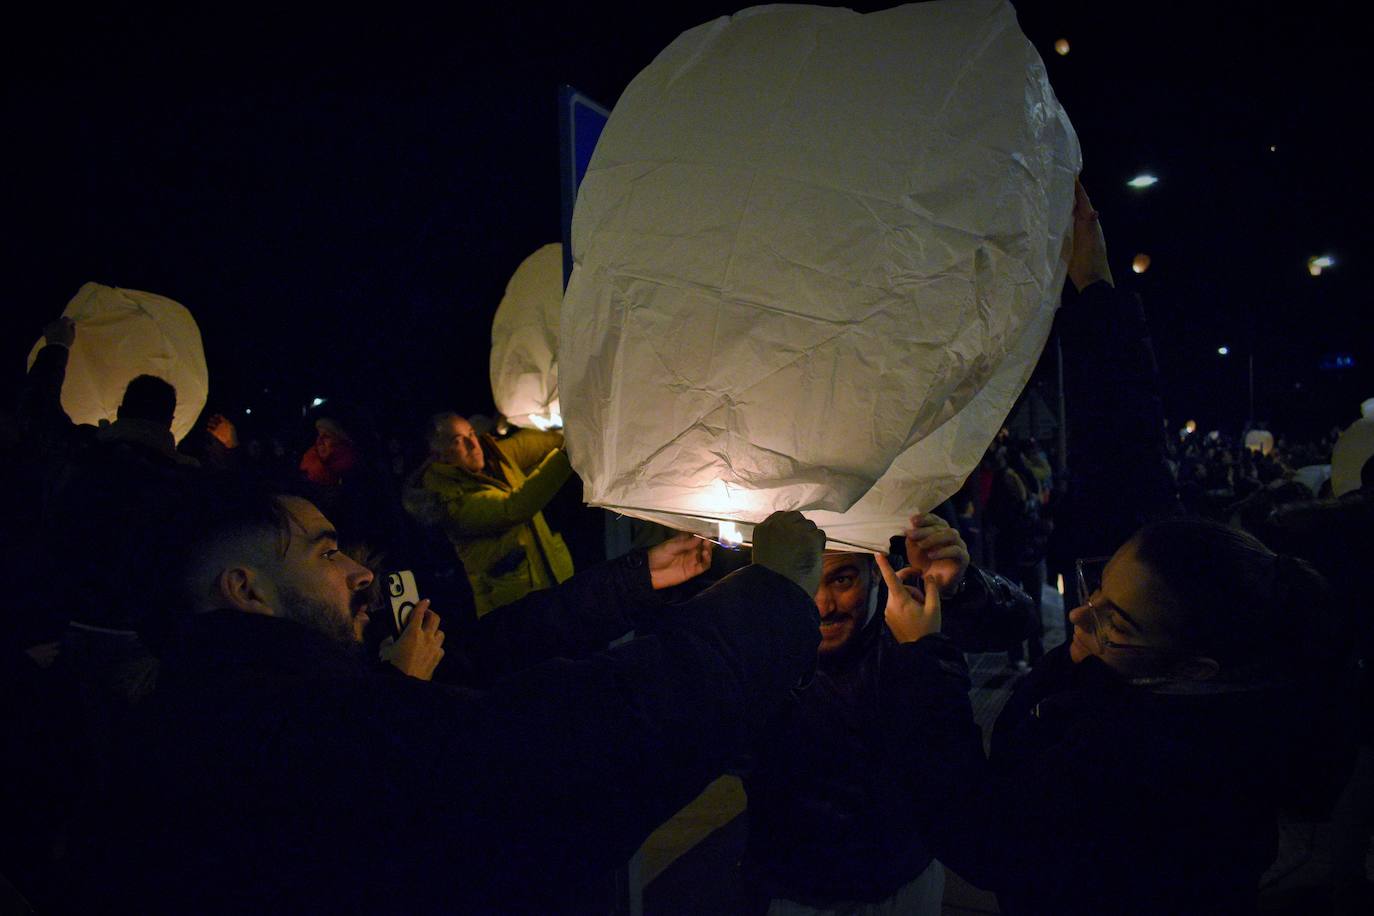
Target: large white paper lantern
524 342
125 333
816 256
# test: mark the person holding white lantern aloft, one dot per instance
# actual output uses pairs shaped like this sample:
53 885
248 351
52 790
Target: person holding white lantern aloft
493 494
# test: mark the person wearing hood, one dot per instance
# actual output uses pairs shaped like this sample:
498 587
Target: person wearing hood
830 821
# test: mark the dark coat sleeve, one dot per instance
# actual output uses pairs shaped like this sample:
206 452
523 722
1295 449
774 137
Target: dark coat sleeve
595 607
1119 475
989 614
568 765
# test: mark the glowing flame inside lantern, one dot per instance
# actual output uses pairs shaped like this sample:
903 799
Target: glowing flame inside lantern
730 535
1061 47
552 421
1141 263
1191 426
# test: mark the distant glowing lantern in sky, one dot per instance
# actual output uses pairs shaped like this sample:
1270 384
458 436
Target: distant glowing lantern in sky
123 333
524 342
317 402
1061 47
1190 426
1143 181
1260 440
1317 263
1140 263
834 308
1223 351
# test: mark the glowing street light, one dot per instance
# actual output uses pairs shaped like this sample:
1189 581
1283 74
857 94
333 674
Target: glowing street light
1223 351
1318 263
1141 263
1061 47
1143 181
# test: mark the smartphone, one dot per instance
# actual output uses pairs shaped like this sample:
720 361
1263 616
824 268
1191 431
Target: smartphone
404 594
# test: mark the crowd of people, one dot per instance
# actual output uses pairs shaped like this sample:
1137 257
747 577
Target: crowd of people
246 682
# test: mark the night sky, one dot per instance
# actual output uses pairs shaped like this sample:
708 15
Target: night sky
341 199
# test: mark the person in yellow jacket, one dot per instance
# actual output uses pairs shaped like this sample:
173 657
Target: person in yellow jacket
491 494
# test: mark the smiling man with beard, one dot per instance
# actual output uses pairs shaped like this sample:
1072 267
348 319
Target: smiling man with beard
830 820
276 771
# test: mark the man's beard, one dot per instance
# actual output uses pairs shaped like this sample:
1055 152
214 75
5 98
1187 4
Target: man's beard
319 616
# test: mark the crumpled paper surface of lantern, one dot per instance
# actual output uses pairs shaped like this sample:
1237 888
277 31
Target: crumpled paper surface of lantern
816 256
524 341
124 333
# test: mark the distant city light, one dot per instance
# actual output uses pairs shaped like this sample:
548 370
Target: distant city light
1061 47
317 402
1317 263
1143 181
1223 351
1141 263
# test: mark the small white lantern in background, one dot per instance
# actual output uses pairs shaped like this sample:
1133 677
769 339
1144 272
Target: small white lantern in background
125 333
524 342
1260 440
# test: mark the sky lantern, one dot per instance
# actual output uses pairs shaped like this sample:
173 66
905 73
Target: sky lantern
1317 263
124 333
1061 47
1260 440
1143 180
524 342
1140 263
1353 448
816 257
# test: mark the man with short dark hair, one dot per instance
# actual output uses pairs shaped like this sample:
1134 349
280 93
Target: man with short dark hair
277 774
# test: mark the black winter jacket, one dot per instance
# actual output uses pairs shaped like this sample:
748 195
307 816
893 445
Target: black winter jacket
278 775
830 813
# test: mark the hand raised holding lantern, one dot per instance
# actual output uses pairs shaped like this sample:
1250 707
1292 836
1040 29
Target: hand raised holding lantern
936 549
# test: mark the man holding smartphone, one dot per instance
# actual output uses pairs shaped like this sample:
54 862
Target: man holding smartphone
274 772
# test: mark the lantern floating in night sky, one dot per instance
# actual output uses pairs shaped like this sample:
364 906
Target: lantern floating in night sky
1140 263
123 333
1317 263
1143 181
816 256
1061 47
524 342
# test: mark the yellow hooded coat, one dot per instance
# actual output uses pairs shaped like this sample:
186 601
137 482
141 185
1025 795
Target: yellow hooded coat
494 520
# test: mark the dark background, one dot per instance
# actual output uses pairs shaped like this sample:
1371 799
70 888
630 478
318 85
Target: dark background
340 198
